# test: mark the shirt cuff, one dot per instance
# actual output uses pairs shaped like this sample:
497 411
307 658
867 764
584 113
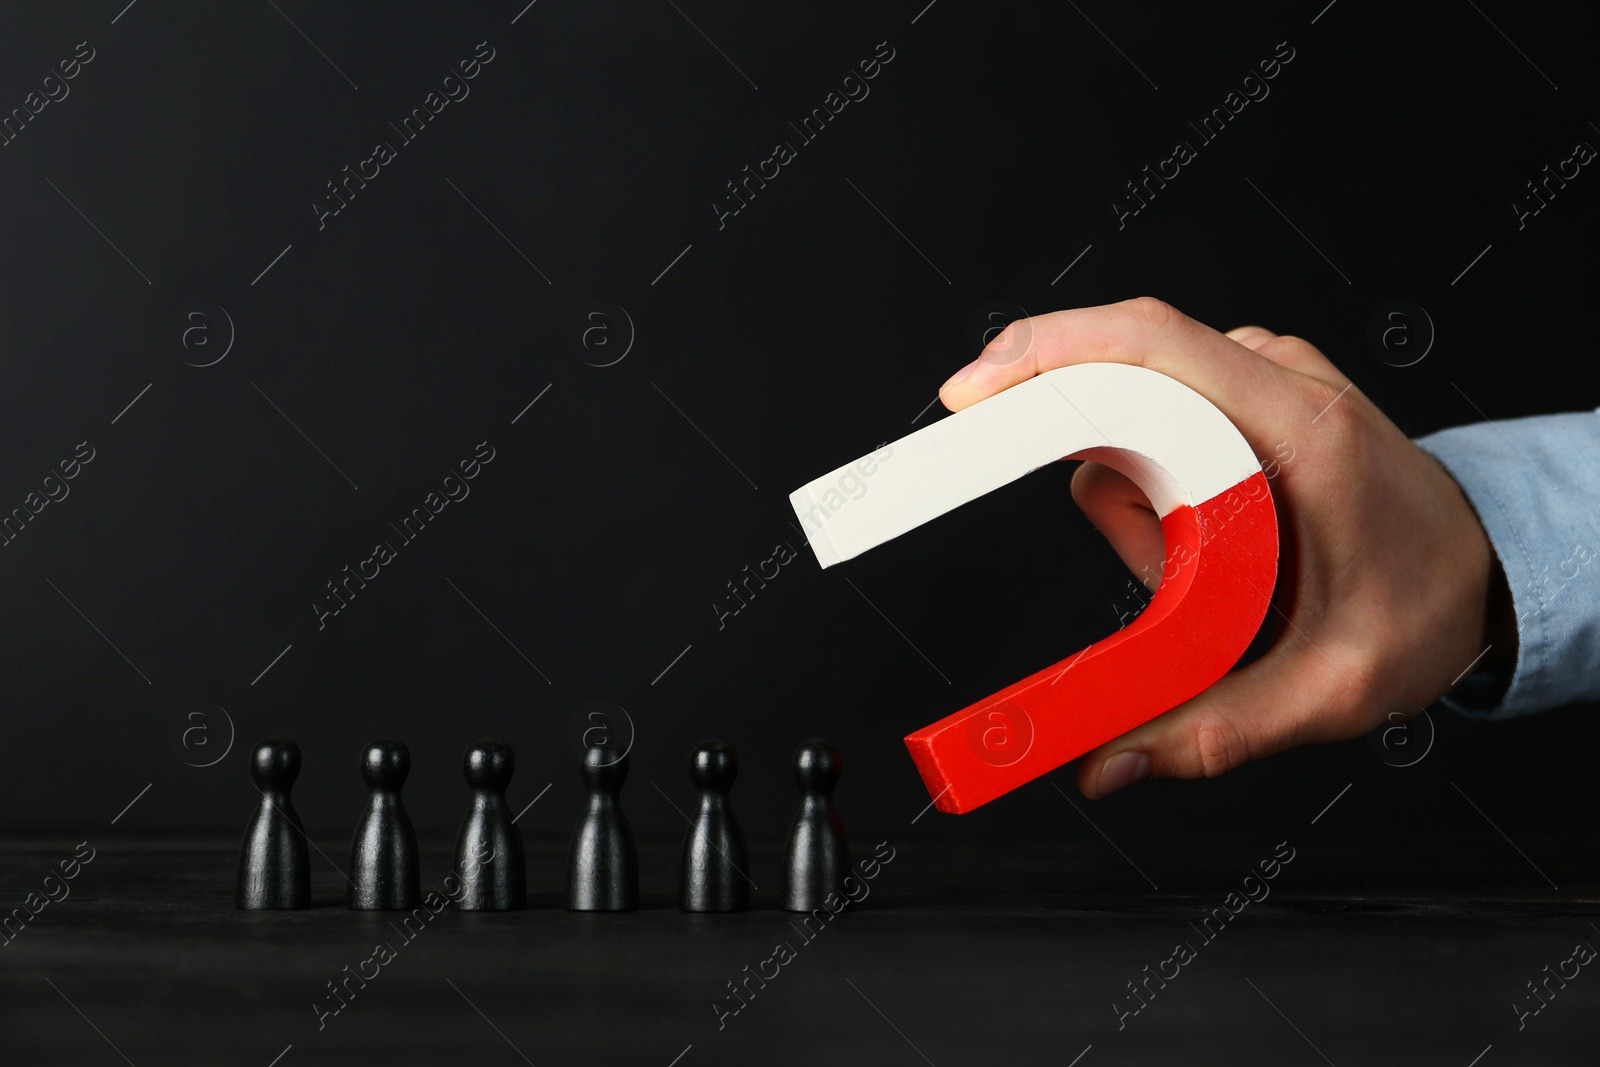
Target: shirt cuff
1535 484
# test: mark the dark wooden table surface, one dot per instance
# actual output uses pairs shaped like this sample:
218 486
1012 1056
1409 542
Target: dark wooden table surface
1399 952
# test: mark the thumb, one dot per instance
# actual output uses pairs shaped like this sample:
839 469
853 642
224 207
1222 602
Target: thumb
1251 713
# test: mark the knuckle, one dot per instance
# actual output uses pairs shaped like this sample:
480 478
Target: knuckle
1333 406
1156 314
1219 746
1367 684
1013 338
1253 337
1288 345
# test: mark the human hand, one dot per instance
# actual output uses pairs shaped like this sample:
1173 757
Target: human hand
1387 584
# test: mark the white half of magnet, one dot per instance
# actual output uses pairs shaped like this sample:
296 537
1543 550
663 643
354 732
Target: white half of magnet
1171 441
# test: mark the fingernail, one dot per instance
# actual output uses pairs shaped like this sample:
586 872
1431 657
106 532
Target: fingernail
1122 770
960 376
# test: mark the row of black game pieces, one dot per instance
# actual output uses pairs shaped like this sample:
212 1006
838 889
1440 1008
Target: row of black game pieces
488 875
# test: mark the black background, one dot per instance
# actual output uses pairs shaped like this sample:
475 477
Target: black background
797 337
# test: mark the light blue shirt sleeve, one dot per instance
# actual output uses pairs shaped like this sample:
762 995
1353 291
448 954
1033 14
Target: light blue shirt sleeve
1535 484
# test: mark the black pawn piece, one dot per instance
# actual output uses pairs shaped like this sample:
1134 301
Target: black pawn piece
603 871
274 864
384 875
817 858
488 846
714 862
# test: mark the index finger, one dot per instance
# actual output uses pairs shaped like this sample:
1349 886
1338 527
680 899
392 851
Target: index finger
1253 391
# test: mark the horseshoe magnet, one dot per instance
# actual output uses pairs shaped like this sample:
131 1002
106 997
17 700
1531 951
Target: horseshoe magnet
1217 523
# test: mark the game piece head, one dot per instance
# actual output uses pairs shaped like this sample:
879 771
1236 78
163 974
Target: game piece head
816 766
715 765
275 764
488 764
604 768
385 764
